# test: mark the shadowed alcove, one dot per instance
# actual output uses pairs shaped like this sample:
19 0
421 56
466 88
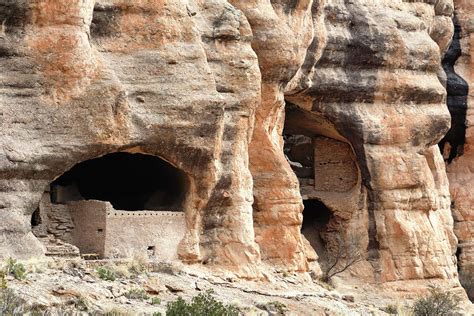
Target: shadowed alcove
114 206
316 216
128 181
325 165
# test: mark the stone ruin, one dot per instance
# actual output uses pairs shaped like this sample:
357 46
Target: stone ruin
116 206
272 123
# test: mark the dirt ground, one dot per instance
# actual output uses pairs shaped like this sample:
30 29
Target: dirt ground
61 285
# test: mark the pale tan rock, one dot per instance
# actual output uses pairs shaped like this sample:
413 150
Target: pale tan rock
376 87
154 286
175 79
204 85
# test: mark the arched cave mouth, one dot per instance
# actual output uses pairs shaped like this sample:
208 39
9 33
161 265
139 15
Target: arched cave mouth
130 182
316 216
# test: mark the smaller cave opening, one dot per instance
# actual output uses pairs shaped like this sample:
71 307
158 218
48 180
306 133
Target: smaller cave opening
36 218
316 216
151 251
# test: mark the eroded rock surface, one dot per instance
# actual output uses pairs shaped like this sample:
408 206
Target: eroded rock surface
376 87
171 79
204 85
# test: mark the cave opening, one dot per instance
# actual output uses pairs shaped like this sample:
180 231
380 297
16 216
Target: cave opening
36 218
130 182
316 216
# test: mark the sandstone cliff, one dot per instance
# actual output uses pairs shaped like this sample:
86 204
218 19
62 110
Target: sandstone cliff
211 87
376 87
175 80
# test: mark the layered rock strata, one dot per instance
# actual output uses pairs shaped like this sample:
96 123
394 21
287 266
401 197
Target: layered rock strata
80 79
204 85
376 87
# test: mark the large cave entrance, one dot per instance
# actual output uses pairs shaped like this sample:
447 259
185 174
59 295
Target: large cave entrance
128 181
115 206
329 180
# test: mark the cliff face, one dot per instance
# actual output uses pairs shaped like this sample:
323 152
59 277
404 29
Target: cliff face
377 87
204 86
81 79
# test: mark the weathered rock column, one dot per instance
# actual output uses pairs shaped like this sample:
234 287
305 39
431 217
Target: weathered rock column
282 32
377 82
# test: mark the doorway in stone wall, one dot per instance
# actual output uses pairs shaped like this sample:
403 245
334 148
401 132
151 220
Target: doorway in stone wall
316 217
328 175
114 206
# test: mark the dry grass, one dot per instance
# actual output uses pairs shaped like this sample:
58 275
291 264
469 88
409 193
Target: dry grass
138 265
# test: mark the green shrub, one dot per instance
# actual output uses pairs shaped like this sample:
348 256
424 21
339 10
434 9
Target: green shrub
203 304
177 308
137 294
106 274
16 269
437 302
155 301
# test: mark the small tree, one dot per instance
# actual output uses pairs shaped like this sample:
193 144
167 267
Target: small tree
343 254
437 302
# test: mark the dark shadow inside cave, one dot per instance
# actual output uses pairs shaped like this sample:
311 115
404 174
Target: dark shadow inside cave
36 218
316 216
299 152
452 145
128 181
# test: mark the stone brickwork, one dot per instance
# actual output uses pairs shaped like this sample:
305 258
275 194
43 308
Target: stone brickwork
156 234
98 230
